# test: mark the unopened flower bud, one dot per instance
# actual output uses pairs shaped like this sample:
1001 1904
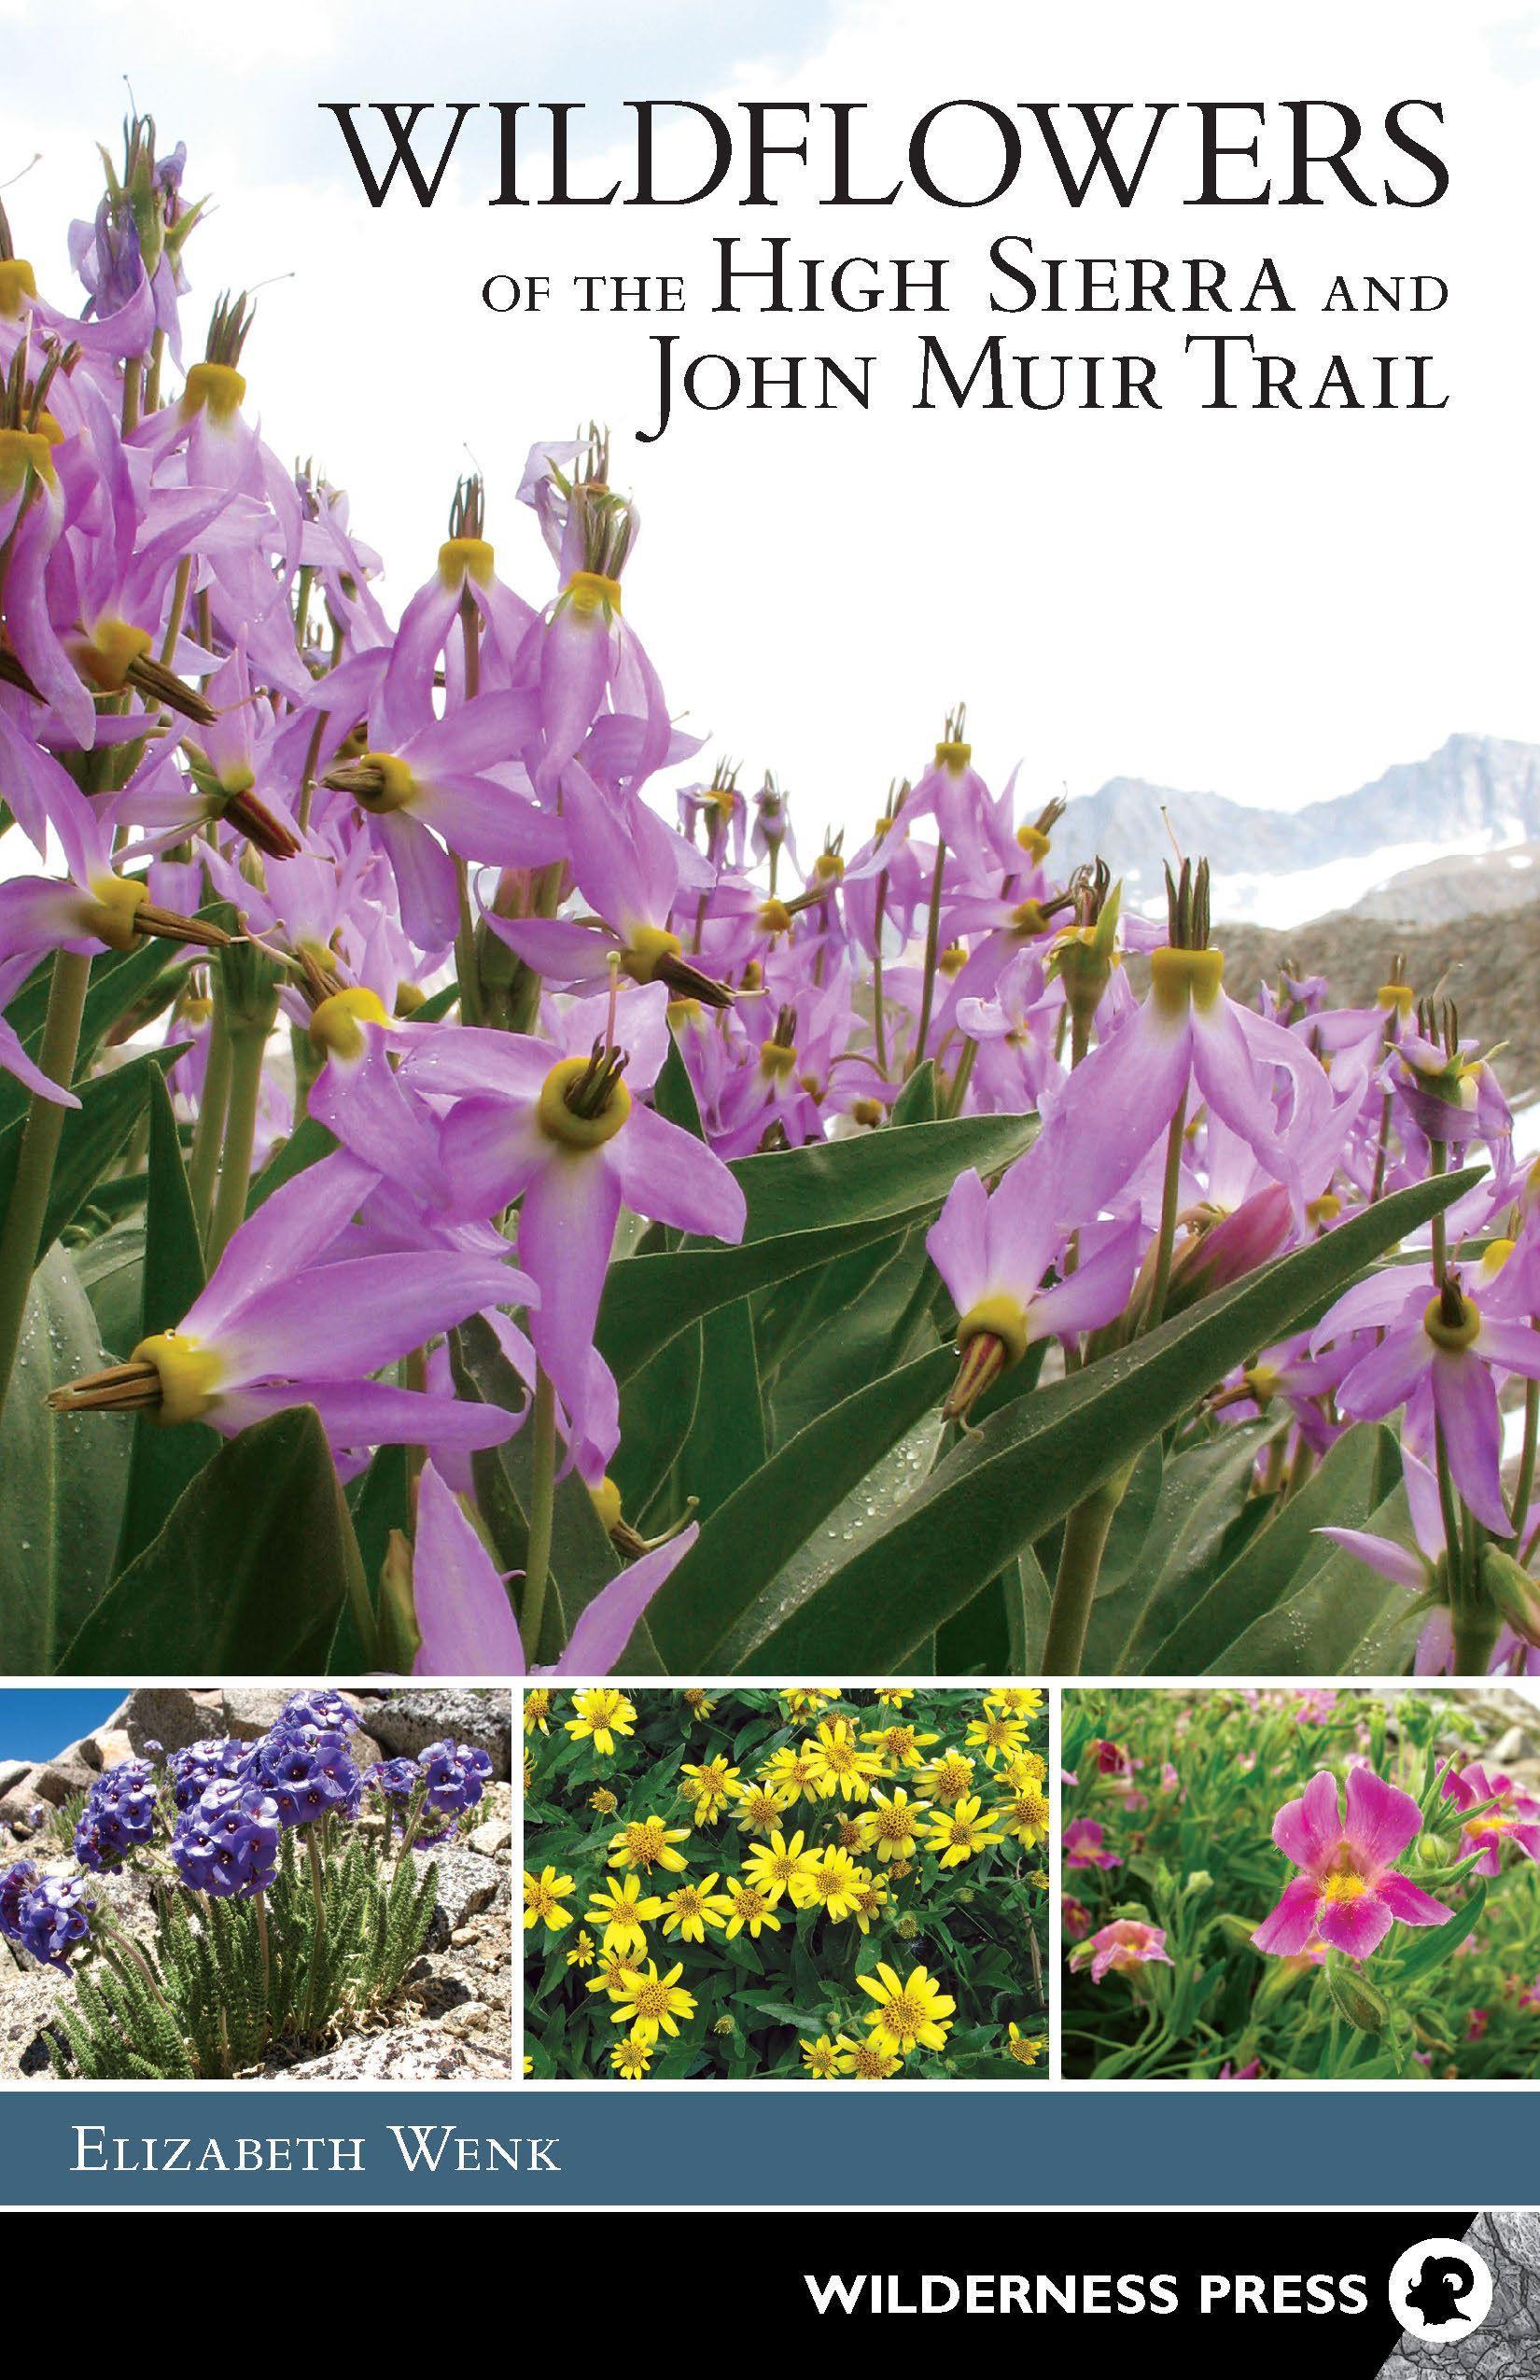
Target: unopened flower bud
1513 1591
1356 1999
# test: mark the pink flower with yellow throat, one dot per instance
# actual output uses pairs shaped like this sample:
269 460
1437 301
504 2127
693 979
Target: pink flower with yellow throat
1349 1893
1122 1948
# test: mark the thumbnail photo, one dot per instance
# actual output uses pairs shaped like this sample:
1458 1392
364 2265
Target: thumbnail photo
222 1884
1303 1883
804 1884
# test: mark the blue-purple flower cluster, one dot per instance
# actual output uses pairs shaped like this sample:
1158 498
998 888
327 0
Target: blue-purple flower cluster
49 1916
119 1816
228 1843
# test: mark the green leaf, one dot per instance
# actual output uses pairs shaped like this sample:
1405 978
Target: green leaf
306 1145
658 1408
719 1458
1203 1502
121 982
63 1477
723 1600
164 1463
1358 1473
93 1137
1032 1461
806 1207
916 1103
111 1271
1440 1942
249 1573
1329 1619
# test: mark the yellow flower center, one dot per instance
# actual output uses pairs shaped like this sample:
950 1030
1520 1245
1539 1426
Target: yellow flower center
462 558
1344 1887
1453 1338
559 1122
998 1317
1033 841
18 283
107 655
398 786
109 914
776 1059
189 1374
218 386
23 451
1183 977
587 591
646 946
954 757
338 1025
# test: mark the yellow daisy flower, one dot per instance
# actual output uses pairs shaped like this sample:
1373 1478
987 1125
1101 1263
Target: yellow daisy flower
839 1764
1026 1816
774 1867
710 1787
793 1772
961 1833
653 2002
603 1714
870 2061
543 1897
537 1710
891 1825
582 1952
906 2013
948 1777
1025 2050
648 1842
759 1808
997 1735
614 1970
618 1906
631 2057
821 2058
1021 1702
829 1884
871 1896
750 1907
692 1908
899 1746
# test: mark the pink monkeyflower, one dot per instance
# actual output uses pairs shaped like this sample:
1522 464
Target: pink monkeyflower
1515 1818
1082 1845
1248 2073
1477 2024
1075 1918
1121 1949
1349 1893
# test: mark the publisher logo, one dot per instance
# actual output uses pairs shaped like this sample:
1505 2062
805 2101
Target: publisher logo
1441 2289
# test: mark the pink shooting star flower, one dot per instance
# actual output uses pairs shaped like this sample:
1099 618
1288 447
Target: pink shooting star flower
1186 1042
436 782
560 1126
1122 1948
290 1316
1513 1817
1083 1845
994 1253
1438 1356
634 871
462 1605
1351 1893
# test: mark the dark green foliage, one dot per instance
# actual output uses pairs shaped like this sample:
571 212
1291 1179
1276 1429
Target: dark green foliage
210 1999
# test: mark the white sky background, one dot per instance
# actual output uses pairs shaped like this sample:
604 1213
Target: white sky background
1275 607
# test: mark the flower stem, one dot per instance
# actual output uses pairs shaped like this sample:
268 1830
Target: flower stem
247 1051
933 952
541 1513
1524 1485
1085 1532
207 1133
27 1211
1170 1194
